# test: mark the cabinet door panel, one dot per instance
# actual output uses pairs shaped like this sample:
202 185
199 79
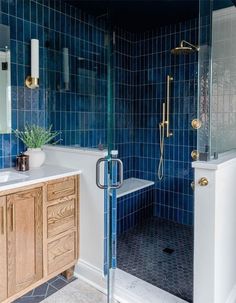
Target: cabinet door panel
25 227
3 250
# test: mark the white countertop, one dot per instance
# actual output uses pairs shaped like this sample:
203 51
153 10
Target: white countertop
76 149
37 175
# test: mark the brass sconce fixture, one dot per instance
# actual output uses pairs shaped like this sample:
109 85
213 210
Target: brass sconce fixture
32 81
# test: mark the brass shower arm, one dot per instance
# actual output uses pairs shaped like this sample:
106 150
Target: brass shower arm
189 44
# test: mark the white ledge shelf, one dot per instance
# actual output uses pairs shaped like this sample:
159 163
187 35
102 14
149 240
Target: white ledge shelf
225 159
132 185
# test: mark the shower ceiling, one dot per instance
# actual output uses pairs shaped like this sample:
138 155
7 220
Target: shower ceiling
141 15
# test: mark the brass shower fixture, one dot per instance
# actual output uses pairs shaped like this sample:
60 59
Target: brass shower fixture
164 125
195 155
196 123
185 48
166 109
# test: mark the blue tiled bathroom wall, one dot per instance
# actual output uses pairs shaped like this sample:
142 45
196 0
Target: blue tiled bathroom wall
123 98
80 112
133 209
141 63
139 112
173 197
28 106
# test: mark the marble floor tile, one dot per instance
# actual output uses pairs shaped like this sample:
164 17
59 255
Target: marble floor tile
45 290
77 292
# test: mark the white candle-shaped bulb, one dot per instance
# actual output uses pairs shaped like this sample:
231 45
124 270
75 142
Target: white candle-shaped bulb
66 71
35 58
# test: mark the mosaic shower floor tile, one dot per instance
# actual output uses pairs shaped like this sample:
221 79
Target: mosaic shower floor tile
159 252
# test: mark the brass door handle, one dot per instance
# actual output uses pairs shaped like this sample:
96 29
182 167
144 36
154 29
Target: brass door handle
12 217
2 221
203 181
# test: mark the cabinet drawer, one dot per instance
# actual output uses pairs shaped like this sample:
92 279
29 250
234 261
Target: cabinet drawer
61 217
61 188
61 252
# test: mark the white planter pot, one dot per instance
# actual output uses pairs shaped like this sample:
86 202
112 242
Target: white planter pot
36 157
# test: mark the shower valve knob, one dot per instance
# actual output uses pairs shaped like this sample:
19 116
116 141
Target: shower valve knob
203 181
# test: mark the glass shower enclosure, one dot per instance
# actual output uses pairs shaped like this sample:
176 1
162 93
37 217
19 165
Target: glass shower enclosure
113 99
216 72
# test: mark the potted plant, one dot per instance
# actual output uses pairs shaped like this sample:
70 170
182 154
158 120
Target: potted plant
34 137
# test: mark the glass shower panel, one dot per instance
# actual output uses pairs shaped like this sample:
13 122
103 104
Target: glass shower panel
204 79
223 105
217 78
76 79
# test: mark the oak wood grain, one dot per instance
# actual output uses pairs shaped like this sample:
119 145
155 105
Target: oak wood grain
61 188
3 250
25 239
61 217
61 252
41 235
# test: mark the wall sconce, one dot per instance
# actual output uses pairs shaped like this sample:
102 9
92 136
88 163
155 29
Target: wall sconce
32 81
66 71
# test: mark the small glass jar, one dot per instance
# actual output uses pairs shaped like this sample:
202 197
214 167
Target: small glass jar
22 162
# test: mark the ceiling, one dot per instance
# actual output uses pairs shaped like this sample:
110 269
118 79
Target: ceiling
142 15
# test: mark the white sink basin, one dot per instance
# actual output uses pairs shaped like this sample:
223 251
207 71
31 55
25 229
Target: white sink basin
9 176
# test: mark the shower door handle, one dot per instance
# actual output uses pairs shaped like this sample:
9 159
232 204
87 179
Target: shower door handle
98 164
121 173
120 170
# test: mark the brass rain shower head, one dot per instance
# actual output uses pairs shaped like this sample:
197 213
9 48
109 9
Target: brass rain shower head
186 49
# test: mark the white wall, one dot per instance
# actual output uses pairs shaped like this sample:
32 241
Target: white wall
91 205
215 231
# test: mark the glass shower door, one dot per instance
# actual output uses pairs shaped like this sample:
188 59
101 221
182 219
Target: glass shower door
113 176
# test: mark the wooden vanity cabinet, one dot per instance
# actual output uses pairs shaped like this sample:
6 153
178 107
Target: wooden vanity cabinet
62 223
25 239
38 235
3 250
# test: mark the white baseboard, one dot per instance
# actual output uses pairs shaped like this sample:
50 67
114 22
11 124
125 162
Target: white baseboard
232 295
91 275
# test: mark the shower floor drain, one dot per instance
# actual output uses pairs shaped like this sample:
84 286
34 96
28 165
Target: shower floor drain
168 250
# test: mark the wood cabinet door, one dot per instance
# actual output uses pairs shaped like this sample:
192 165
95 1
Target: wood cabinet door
3 250
25 239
